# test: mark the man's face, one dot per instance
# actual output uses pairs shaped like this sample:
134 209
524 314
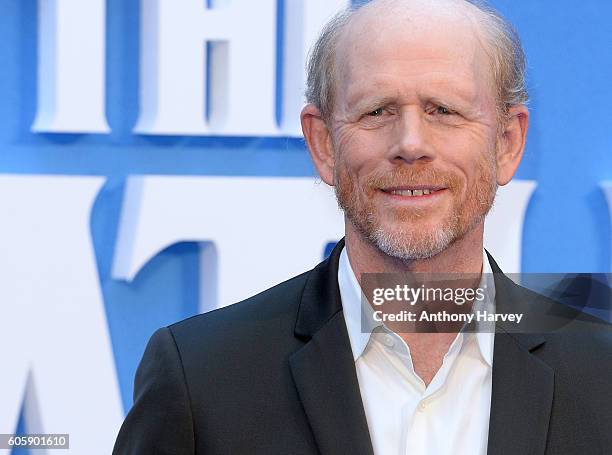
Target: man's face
414 132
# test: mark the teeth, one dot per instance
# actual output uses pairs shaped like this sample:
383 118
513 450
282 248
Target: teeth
402 192
412 193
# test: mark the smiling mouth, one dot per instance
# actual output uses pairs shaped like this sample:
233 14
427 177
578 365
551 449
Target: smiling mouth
413 191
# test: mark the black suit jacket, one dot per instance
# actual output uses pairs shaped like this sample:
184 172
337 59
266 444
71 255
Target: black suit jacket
274 374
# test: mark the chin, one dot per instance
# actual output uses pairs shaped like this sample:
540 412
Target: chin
409 244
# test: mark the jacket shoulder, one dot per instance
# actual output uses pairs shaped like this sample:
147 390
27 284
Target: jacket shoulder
581 351
271 311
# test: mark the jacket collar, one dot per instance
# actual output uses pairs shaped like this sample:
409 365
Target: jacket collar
321 296
522 385
323 369
512 298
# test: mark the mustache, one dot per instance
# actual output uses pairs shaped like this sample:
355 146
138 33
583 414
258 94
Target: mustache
410 176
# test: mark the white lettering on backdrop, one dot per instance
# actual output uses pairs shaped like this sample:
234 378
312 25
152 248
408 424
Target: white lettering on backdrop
256 232
242 57
504 226
71 66
238 39
303 22
54 340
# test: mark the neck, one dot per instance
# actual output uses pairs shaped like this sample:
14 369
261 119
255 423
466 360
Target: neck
462 256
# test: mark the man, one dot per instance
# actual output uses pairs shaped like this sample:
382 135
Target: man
416 114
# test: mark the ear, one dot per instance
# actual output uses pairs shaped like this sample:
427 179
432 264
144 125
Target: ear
318 140
512 144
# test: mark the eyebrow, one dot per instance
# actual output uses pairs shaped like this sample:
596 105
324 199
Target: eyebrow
454 101
366 104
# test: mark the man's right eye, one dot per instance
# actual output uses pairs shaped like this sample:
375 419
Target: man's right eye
376 113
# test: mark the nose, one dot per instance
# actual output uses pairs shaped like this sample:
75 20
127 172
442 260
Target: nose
411 142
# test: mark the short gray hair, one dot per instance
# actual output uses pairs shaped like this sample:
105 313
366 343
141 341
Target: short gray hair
504 50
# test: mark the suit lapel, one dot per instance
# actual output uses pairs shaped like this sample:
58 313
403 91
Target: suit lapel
521 399
522 390
323 369
324 373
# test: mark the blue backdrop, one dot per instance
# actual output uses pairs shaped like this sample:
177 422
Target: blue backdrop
569 152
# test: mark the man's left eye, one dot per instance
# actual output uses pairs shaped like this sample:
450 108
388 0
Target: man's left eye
443 110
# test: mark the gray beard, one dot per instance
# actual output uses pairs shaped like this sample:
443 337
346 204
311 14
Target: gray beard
404 245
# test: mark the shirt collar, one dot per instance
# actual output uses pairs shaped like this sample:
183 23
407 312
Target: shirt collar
486 335
356 308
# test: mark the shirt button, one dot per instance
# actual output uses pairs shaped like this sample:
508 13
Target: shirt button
388 341
422 406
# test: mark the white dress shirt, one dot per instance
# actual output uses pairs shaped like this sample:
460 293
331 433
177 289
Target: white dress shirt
451 414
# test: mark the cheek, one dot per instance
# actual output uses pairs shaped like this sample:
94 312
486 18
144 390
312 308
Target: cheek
481 176
354 151
363 149
472 141
472 154
344 137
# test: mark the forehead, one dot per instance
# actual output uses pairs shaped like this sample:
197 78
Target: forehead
413 48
